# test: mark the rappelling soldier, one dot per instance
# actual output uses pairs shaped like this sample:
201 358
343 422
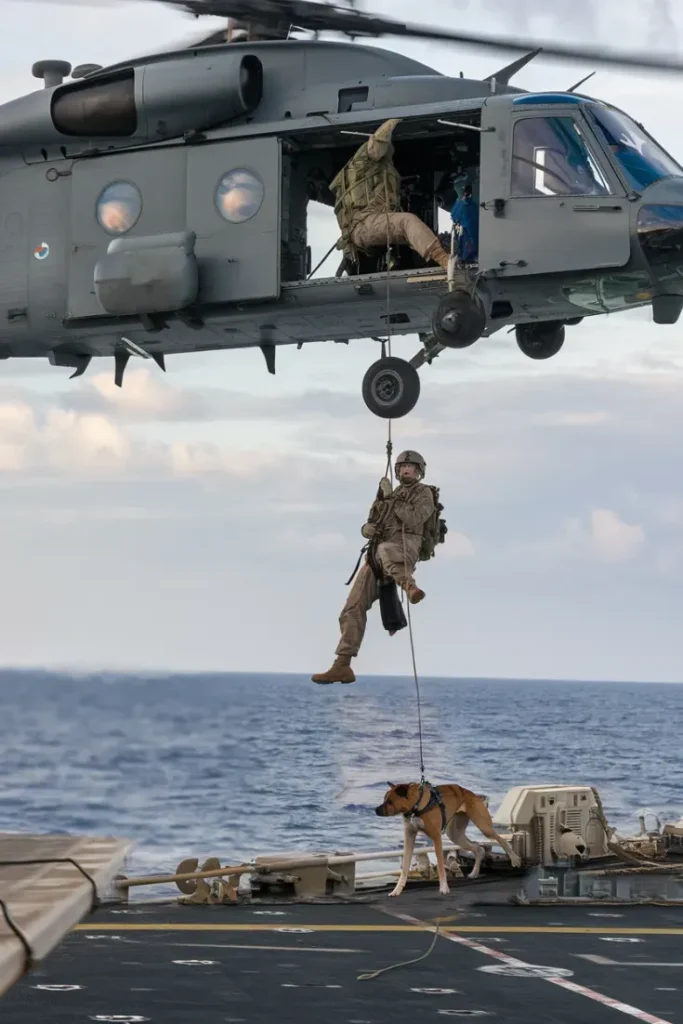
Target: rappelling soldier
367 193
403 528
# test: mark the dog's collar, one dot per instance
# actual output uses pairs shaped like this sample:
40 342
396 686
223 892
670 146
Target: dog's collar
435 800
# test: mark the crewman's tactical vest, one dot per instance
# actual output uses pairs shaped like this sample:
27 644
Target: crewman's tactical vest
435 529
362 187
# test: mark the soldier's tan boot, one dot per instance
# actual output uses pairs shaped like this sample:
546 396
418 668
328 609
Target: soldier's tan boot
415 595
341 672
438 254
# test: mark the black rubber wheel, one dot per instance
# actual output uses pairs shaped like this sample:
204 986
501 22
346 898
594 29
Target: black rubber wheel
391 388
458 320
540 341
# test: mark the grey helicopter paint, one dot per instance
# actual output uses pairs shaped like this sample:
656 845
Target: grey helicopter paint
138 224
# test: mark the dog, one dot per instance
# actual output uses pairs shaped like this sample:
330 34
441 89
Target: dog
436 809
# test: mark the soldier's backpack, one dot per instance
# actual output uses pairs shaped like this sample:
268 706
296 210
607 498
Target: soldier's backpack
435 529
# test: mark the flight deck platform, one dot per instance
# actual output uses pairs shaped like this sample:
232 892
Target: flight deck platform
270 961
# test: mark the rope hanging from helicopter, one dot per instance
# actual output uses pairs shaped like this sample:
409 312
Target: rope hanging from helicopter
389 475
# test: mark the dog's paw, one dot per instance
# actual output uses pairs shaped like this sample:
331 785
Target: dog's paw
515 860
444 891
396 892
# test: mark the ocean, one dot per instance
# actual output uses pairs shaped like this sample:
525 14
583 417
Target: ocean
236 766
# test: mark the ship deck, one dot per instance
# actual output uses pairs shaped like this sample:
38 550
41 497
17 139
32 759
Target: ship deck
279 961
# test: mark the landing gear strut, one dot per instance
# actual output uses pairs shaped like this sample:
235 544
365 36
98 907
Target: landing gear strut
540 341
391 388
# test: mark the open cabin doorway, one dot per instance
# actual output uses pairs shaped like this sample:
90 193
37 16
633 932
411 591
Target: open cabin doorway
436 160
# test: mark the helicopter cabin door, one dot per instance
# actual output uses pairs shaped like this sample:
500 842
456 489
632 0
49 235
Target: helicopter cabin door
549 200
233 206
120 196
228 193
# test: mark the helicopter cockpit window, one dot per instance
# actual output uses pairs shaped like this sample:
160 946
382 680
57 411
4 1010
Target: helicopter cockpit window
640 158
239 196
119 207
550 157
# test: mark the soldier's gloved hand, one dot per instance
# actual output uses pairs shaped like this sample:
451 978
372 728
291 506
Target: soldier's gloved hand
401 496
385 487
369 531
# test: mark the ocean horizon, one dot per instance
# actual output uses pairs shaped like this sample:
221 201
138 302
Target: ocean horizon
240 765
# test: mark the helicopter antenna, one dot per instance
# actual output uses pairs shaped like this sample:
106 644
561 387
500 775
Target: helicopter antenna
503 76
575 87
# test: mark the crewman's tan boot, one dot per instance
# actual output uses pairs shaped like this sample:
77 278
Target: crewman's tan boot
415 595
341 672
438 254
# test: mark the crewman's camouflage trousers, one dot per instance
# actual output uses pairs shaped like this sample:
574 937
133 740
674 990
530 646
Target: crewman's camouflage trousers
403 229
365 592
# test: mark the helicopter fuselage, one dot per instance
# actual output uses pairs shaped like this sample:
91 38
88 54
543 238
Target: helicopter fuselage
162 206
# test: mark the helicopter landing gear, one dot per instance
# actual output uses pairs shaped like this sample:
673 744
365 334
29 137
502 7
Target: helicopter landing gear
540 341
458 320
391 388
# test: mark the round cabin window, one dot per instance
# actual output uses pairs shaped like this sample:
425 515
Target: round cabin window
119 207
239 196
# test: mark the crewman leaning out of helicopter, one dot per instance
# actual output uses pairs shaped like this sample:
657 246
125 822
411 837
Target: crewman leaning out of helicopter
399 524
367 194
465 217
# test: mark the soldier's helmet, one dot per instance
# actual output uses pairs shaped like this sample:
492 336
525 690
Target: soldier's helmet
413 457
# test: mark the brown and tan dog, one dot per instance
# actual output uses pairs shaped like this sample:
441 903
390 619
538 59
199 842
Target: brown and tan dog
436 809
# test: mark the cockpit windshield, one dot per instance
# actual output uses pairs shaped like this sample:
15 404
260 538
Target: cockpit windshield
640 158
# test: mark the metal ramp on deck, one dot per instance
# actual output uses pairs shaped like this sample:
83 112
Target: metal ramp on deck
47 885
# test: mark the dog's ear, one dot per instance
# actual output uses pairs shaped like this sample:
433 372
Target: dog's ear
401 791
391 784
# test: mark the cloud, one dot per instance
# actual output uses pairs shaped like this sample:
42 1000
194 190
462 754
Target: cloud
613 539
655 20
207 459
573 419
561 494
458 546
604 536
59 441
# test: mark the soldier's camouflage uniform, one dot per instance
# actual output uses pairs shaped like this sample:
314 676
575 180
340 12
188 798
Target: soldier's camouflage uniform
410 507
367 195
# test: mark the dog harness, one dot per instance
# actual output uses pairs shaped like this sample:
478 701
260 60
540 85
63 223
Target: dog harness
435 800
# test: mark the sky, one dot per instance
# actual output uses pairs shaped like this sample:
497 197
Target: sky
207 519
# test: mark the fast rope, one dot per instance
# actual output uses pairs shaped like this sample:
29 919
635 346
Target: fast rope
389 474
404 963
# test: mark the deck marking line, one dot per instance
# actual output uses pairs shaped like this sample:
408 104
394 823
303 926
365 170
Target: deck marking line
624 963
570 986
632 1011
471 929
250 945
595 958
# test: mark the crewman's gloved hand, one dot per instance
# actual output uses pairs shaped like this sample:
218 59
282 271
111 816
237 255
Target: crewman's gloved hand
369 531
385 487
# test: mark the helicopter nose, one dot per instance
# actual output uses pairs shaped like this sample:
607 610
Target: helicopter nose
659 228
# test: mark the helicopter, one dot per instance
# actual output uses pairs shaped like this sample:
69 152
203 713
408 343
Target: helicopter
159 206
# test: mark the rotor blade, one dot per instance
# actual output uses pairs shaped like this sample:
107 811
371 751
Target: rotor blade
321 17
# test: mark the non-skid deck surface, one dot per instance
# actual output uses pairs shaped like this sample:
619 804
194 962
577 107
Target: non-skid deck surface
275 963
44 900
